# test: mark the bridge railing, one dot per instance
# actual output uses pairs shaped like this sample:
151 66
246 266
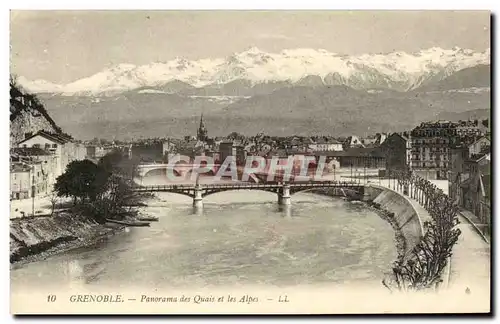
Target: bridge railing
306 184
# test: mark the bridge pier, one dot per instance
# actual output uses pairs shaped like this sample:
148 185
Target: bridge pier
366 194
287 211
198 198
284 197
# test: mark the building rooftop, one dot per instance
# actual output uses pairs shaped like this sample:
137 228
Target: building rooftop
29 151
57 138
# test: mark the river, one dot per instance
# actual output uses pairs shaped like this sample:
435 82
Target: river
239 238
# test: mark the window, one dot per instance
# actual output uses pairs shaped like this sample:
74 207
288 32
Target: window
25 146
47 146
54 145
36 145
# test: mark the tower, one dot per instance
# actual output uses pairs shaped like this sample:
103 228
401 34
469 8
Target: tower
202 131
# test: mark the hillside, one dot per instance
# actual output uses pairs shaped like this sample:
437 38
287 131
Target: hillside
469 78
336 110
27 115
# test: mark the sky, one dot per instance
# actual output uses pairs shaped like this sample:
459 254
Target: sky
64 46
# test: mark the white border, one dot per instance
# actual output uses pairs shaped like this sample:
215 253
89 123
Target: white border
185 4
261 5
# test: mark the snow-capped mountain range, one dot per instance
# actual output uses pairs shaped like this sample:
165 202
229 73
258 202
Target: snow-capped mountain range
397 70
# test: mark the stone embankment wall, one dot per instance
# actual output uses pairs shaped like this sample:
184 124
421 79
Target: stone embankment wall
31 236
405 216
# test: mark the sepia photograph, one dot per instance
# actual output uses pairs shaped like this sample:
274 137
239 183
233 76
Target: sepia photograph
250 162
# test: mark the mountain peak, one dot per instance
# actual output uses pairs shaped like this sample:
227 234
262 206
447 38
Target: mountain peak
396 70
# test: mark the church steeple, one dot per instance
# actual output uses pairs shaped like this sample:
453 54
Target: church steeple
202 131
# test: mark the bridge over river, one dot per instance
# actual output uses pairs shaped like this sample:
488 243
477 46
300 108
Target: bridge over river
284 190
178 170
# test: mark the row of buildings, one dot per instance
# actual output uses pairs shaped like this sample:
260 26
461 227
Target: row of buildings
38 160
426 149
459 152
439 150
350 151
470 179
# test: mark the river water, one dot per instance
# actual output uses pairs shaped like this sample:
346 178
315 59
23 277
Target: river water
239 238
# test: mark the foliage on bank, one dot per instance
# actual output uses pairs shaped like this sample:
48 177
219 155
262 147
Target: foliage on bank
104 190
423 267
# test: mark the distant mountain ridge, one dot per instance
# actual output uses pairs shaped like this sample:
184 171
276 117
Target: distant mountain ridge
254 71
478 76
335 110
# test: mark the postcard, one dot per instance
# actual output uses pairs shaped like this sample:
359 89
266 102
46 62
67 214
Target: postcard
250 162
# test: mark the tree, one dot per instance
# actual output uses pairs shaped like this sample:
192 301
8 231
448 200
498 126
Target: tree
104 188
117 194
53 198
236 136
115 162
79 181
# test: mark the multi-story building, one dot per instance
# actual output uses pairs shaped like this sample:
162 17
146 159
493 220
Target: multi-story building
397 150
476 191
62 146
226 149
28 179
20 181
470 182
479 145
431 144
45 162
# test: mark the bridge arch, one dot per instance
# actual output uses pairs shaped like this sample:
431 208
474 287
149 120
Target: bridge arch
160 171
337 191
179 192
209 192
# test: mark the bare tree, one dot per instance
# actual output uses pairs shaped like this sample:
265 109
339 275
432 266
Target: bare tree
53 198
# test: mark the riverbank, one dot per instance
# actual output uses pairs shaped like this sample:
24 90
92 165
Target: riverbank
37 238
